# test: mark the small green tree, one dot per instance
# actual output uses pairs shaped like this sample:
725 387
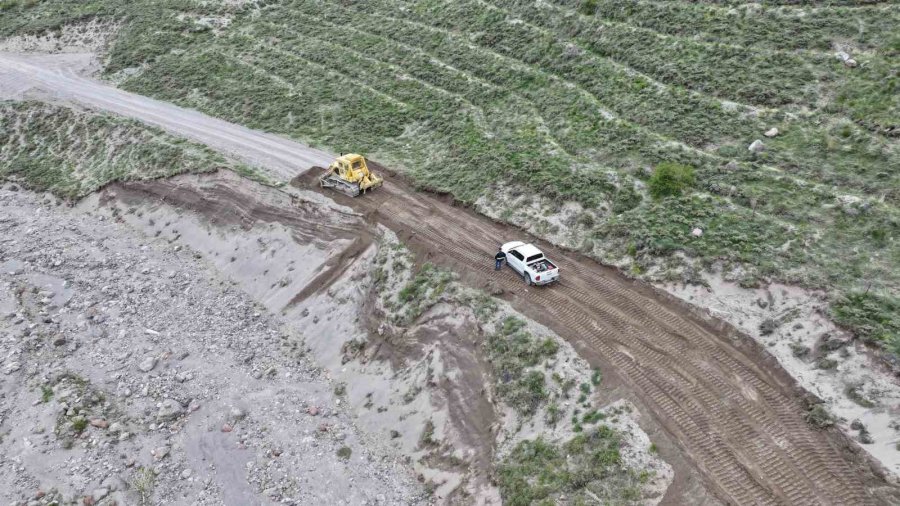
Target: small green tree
670 179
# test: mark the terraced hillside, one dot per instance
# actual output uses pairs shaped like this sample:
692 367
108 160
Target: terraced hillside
578 101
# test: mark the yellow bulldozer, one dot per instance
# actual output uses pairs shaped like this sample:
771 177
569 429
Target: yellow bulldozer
350 174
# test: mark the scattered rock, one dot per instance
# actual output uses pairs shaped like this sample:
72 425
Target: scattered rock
732 166
186 473
147 364
857 425
170 409
11 367
100 424
756 146
227 427
160 453
772 132
237 413
100 493
846 59
312 411
697 232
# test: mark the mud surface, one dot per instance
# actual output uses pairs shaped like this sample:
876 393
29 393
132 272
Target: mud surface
738 416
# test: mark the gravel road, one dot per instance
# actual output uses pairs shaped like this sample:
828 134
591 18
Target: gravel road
61 78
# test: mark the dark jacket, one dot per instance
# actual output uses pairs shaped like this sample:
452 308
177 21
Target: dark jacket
500 256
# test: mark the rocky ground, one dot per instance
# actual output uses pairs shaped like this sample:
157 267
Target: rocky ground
131 373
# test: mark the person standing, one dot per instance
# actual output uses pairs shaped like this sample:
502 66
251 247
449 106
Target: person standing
499 258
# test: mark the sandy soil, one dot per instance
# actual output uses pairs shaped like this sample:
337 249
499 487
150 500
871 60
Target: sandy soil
853 384
89 37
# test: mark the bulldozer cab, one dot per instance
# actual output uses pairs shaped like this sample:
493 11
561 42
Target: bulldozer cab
351 167
350 174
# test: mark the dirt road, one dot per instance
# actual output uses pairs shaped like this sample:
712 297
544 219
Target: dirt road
62 78
735 413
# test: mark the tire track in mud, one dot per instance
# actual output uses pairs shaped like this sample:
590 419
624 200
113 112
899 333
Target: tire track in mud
737 416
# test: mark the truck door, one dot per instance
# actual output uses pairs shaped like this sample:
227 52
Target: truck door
516 261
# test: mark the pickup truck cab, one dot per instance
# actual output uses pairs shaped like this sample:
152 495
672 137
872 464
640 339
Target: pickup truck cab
530 263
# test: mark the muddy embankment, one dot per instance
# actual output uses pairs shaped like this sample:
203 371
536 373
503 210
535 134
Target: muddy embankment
413 369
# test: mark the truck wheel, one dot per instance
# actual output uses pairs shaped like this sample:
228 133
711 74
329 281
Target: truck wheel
527 278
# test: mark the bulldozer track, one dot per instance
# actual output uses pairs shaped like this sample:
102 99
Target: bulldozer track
742 426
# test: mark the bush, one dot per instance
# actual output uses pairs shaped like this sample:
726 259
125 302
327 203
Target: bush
670 180
819 417
586 469
588 7
871 317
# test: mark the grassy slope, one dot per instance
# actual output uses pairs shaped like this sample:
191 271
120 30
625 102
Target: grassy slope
576 100
73 153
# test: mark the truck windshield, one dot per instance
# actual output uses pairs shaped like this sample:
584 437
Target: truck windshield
534 258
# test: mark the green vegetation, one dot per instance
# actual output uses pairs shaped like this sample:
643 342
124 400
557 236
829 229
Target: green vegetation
344 452
426 288
670 180
143 482
872 317
586 469
73 153
572 100
46 394
514 353
819 417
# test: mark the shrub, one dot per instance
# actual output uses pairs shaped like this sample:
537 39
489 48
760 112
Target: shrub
670 180
586 469
871 317
344 452
588 7
819 417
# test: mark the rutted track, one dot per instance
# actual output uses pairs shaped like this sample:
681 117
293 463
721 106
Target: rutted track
735 413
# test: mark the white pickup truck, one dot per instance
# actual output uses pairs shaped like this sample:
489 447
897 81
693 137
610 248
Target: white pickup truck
530 263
